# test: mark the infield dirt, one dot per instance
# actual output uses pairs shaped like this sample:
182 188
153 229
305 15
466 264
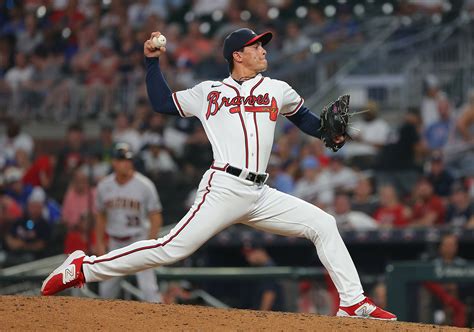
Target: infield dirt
18 313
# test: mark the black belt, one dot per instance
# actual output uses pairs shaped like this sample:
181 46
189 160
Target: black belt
256 178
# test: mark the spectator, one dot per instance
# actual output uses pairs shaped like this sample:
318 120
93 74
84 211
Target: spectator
31 37
14 140
363 199
336 177
314 298
80 237
40 88
391 213
231 22
447 311
428 208
348 220
317 23
287 155
104 147
202 44
448 251
197 154
77 214
15 77
21 160
464 162
101 77
95 168
173 138
296 44
260 18
293 135
123 132
186 54
173 38
15 23
70 15
156 127
141 116
343 29
371 135
264 295
139 11
465 121
29 236
87 45
427 7
207 7
460 211
440 178
397 162
429 104
79 200
112 20
5 90
380 294
157 161
307 186
14 186
316 147
71 156
438 133
10 210
278 178
40 172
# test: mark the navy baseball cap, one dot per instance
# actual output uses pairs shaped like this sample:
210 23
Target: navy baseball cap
241 38
122 151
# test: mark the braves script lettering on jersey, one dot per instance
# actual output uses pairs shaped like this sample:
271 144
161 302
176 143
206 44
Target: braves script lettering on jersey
239 120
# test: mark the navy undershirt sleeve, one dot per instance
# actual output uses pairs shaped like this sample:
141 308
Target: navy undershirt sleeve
158 91
307 121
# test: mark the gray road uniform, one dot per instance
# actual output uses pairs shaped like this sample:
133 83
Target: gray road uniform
127 207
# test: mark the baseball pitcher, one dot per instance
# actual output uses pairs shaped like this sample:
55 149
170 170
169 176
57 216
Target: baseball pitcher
239 115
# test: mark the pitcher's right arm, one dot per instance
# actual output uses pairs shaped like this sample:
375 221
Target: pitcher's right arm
159 93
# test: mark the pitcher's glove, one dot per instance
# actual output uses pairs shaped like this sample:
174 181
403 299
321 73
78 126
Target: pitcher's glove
334 121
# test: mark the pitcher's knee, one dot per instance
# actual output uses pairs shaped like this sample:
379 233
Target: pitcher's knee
175 253
321 225
329 223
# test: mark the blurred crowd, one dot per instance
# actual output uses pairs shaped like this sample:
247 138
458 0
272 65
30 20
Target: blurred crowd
64 60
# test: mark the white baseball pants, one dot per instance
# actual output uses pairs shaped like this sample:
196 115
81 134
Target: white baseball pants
222 200
146 279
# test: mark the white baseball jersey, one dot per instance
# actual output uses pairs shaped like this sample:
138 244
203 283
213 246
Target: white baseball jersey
127 206
240 119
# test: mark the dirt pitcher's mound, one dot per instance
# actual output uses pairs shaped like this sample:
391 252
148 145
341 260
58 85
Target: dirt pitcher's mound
68 313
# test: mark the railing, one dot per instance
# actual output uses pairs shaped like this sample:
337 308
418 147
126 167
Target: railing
29 284
391 70
331 88
401 275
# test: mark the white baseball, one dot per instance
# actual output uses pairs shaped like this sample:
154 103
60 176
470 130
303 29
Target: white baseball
159 41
